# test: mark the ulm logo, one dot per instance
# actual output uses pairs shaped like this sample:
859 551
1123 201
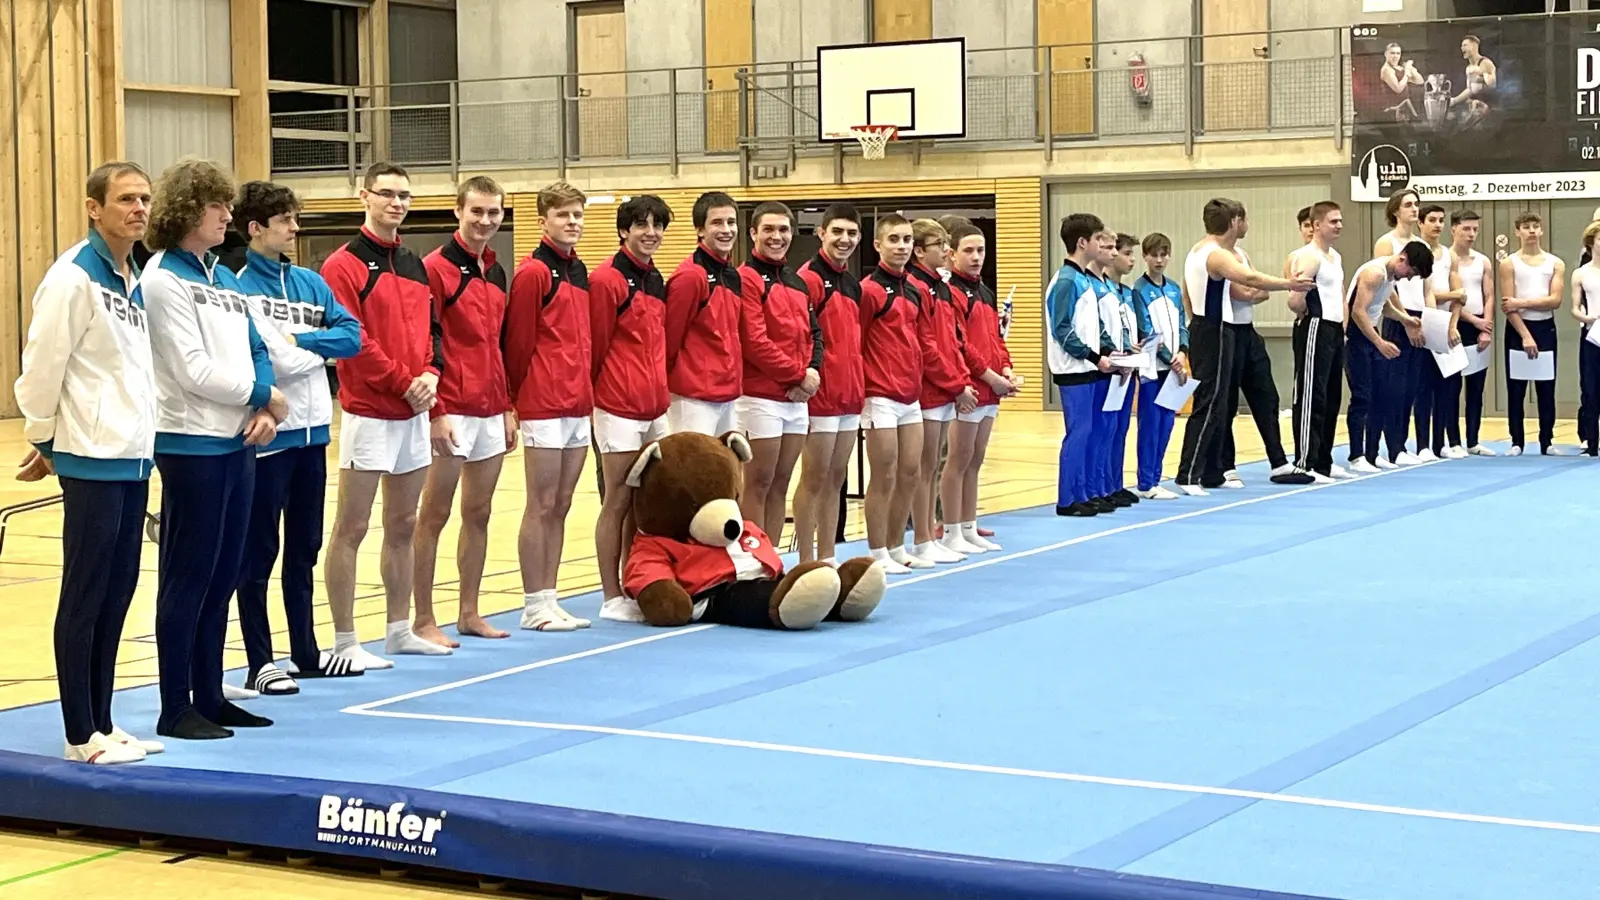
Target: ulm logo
352 822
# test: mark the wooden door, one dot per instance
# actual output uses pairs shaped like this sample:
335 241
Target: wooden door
602 57
1066 31
901 20
730 45
1235 71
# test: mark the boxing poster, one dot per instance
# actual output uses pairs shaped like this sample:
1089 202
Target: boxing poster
1475 110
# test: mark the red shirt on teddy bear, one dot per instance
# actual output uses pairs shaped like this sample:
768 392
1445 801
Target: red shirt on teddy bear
699 567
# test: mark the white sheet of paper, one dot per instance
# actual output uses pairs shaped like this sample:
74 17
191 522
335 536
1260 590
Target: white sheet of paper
1452 361
1117 394
1436 330
1132 361
1594 335
1477 360
1174 395
1524 368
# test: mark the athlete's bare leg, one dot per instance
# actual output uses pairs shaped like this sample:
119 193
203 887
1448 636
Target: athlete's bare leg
778 493
922 512
438 497
952 487
397 561
610 534
823 467
478 482
883 458
760 473
357 491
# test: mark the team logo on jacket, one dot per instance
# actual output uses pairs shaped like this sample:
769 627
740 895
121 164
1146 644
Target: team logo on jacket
751 542
122 308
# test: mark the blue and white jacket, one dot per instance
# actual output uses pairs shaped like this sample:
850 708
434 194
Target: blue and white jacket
1160 308
1119 322
213 369
295 300
87 389
1072 319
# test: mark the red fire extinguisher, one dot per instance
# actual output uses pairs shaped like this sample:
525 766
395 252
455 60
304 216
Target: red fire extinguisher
1140 74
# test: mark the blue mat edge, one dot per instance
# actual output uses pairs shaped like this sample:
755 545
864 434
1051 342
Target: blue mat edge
547 844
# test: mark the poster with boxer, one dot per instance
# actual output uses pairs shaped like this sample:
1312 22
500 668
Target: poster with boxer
1475 110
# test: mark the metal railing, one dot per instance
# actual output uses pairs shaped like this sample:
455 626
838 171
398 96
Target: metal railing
1289 83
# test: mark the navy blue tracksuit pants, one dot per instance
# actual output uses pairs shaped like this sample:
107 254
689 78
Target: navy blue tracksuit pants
1374 395
290 488
205 512
1543 332
1076 475
102 530
1404 376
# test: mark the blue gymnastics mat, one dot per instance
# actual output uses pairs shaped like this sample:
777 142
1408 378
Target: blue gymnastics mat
1380 688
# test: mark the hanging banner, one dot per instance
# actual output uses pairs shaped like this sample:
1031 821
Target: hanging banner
1475 110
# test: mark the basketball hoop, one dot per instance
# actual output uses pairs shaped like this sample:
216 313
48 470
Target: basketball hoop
874 139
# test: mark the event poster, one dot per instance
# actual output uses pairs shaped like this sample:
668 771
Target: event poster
1476 110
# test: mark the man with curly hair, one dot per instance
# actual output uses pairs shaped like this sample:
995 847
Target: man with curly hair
292 471
217 401
87 395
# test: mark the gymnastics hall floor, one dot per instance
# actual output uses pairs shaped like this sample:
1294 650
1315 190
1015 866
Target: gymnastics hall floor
1373 689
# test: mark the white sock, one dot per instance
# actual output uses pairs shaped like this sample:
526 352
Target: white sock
555 601
401 640
541 612
344 640
969 533
621 609
889 564
832 561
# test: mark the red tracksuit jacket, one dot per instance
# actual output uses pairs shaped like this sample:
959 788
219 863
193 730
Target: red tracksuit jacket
836 304
778 334
699 567
470 304
546 337
982 317
385 286
944 363
704 360
890 349
628 325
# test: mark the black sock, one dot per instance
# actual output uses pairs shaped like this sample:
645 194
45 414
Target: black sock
192 726
235 717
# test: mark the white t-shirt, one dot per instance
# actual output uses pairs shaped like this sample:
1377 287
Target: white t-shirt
1328 302
1532 282
1472 272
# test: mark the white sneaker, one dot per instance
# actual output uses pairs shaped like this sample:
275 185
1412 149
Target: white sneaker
1480 450
103 751
1364 467
1158 493
1193 490
1555 451
621 609
935 552
1340 472
1383 462
122 737
1455 452
1514 451
231 692
1406 458
1231 480
1427 455
1319 478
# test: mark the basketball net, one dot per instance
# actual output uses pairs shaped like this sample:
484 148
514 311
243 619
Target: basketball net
874 139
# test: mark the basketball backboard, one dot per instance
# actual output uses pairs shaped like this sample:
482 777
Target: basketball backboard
920 87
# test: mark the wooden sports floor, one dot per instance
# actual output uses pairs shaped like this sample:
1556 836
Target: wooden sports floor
1020 472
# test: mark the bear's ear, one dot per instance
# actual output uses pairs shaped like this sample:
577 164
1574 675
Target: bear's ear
740 447
646 456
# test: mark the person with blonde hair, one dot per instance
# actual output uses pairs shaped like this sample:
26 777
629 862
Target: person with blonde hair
472 427
547 359
87 394
217 401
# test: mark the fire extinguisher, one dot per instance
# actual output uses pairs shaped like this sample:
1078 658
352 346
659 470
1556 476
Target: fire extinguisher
1140 76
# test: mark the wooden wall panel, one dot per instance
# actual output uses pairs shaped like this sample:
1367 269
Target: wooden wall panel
730 44
12 298
1066 27
252 116
602 56
902 20
36 180
1019 246
107 136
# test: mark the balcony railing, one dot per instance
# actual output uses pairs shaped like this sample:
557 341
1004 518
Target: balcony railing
1292 83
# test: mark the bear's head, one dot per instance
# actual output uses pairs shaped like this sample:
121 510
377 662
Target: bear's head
686 487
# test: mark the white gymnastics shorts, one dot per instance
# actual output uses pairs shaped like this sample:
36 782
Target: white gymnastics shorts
943 413
762 419
390 446
834 424
479 437
565 433
881 412
616 434
981 413
701 417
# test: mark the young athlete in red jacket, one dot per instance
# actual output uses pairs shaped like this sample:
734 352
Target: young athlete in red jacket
705 366
835 410
891 416
546 342
628 363
991 377
472 427
782 348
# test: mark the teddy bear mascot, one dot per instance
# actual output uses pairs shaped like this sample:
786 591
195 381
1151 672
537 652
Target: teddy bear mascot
696 558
